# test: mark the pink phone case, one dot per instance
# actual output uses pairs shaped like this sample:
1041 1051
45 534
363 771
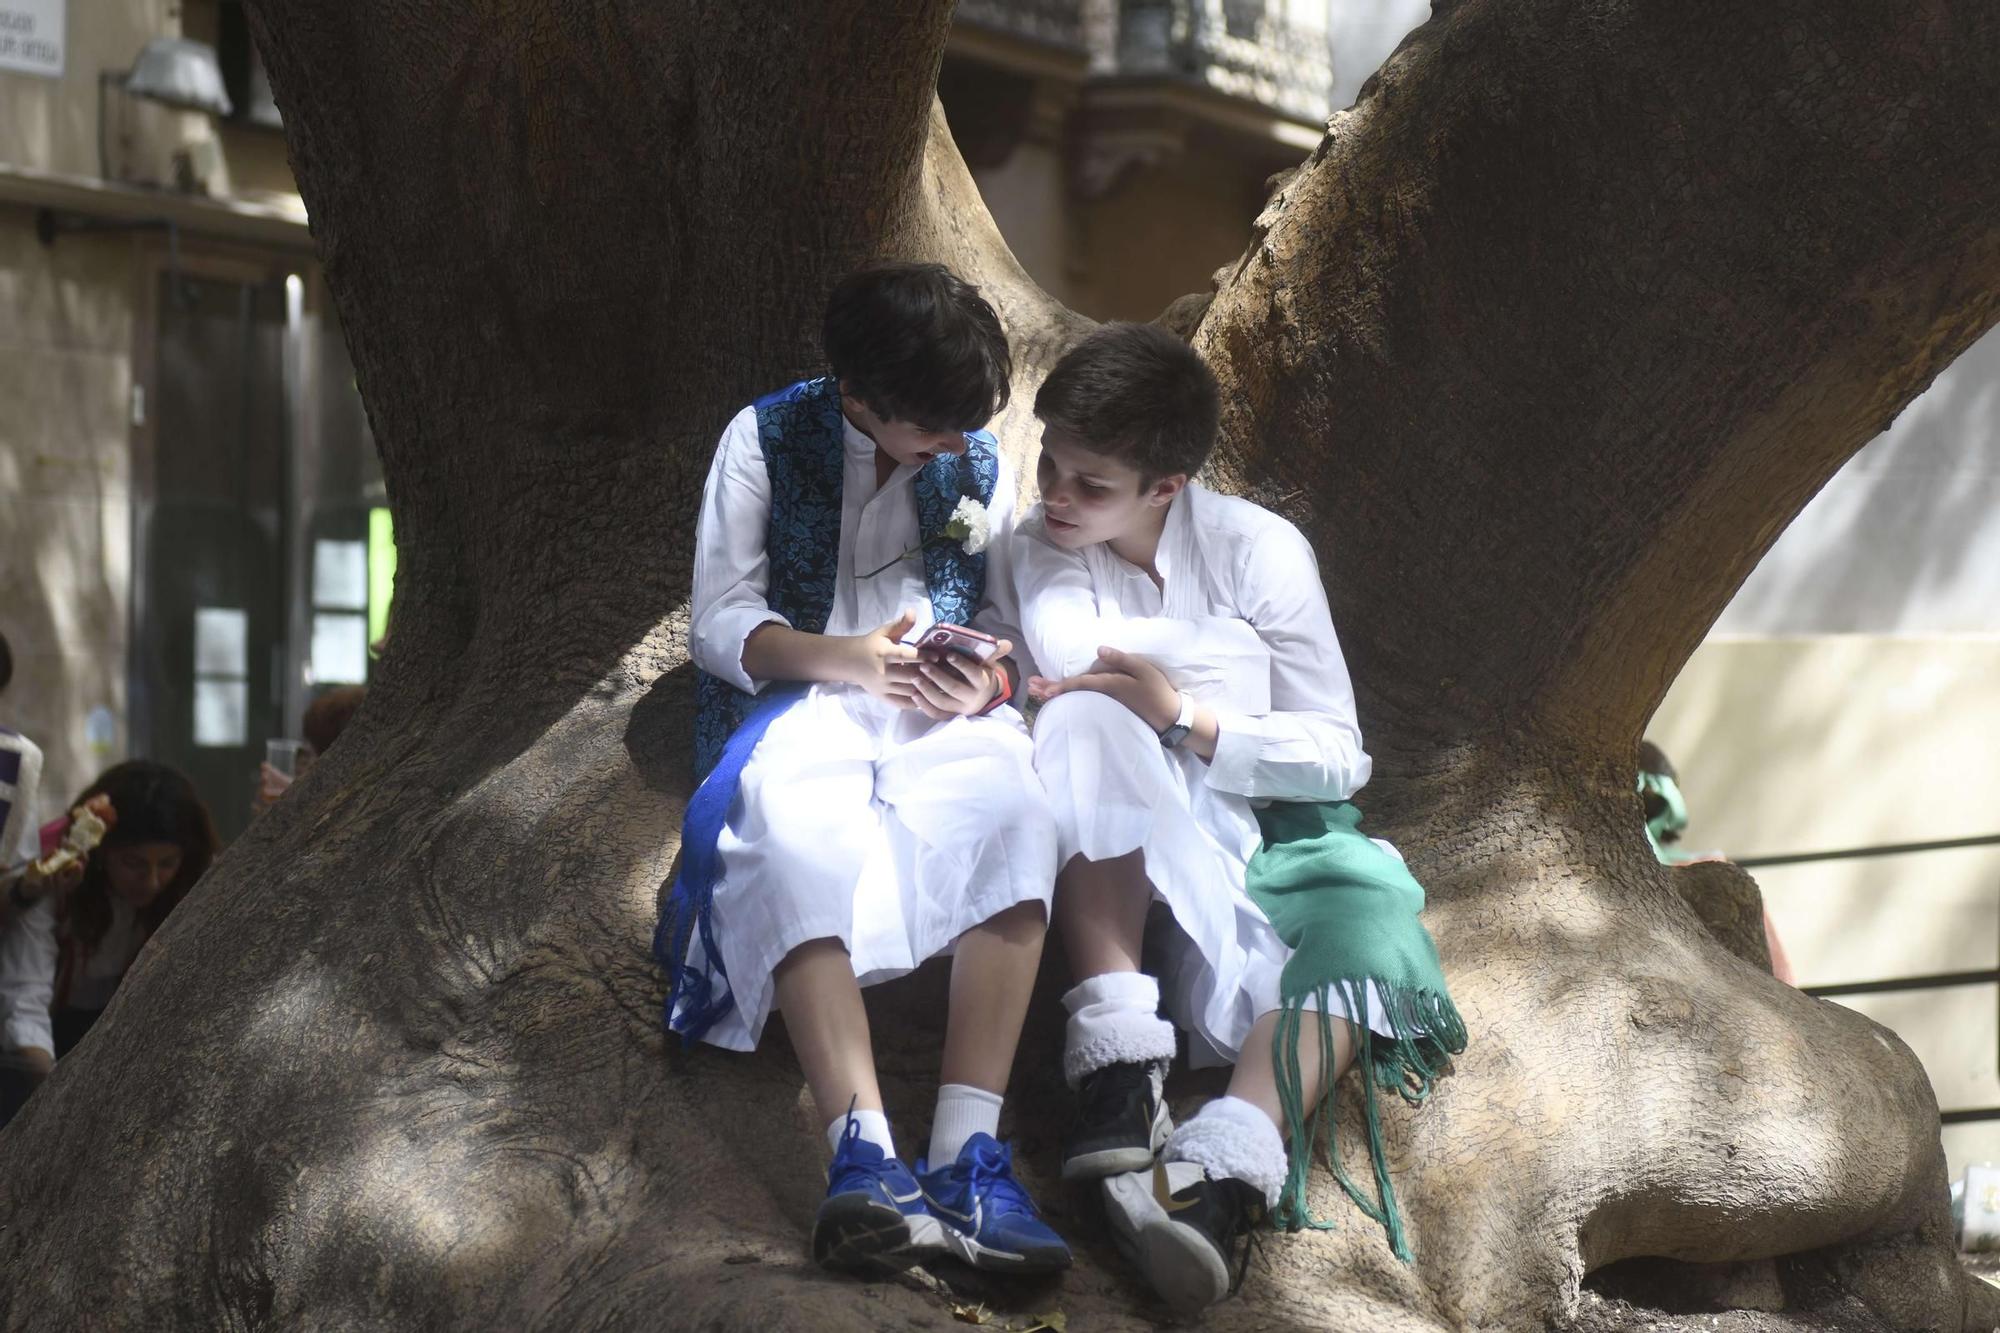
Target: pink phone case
959 639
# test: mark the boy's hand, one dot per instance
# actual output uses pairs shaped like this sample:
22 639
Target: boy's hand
271 784
1127 677
953 685
882 664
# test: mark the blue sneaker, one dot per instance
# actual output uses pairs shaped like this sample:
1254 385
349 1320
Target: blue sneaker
989 1220
873 1220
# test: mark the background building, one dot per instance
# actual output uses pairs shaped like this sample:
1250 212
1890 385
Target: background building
185 474
191 522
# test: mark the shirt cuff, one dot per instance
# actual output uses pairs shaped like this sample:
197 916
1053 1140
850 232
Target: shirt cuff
28 1030
1237 745
719 645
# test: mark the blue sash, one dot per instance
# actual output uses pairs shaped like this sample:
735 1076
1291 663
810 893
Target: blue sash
693 889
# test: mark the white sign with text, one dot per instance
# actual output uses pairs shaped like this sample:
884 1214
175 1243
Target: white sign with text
31 36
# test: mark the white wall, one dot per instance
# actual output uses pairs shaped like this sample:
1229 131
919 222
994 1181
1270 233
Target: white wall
1850 696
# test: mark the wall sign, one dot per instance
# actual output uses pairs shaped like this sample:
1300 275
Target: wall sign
31 36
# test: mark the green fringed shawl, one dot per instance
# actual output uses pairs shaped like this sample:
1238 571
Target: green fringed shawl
1349 910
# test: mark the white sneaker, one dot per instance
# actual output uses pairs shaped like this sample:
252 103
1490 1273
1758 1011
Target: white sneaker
1184 1229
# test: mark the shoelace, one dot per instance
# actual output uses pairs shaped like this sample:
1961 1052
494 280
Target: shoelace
991 1175
1248 1223
843 1169
1104 1096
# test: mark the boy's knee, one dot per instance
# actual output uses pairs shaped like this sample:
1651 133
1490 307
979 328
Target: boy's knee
1087 718
1018 926
1021 922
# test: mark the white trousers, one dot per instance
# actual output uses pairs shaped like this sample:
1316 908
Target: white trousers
1115 789
877 827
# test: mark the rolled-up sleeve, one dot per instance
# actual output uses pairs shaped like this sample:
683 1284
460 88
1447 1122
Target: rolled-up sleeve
1307 747
732 565
28 977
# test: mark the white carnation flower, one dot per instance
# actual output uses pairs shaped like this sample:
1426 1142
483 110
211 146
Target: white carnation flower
970 525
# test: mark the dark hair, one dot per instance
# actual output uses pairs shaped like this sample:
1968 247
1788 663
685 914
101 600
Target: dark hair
1136 392
327 716
153 803
918 343
6 662
1652 759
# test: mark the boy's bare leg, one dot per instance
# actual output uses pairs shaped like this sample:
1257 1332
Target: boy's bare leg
992 976
824 1016
1101 911
1255 1078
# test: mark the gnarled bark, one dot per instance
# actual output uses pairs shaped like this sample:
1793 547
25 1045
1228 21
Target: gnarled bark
1544 345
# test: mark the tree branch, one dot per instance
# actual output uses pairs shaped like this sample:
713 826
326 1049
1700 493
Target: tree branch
1581 303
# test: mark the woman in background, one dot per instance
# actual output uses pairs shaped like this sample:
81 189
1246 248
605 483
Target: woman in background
63 956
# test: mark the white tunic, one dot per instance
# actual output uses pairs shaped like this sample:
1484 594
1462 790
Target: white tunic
1240 620
857 820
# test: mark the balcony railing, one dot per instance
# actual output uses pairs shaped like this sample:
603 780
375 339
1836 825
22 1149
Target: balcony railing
1246 48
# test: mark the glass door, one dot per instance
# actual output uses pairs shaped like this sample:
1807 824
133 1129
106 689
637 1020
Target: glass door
210 576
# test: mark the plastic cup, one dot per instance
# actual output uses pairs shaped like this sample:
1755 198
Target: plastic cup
283 755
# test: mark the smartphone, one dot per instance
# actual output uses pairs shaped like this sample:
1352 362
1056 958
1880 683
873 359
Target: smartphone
959 639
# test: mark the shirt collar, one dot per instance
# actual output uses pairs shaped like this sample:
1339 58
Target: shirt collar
855 439
1173 538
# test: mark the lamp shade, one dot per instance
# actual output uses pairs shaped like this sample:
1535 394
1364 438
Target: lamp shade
180 73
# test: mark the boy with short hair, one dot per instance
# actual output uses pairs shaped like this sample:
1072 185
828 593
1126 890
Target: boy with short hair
865 805
1198 741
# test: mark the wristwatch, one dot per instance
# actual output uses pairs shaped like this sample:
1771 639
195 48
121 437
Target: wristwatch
1178 732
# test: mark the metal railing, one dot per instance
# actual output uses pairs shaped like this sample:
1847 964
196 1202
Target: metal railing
1891 985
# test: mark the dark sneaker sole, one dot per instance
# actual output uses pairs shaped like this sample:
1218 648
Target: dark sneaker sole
1179 1262
856 1235
1107 1162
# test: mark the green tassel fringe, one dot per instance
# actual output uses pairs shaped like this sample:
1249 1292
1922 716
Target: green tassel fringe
1428 1032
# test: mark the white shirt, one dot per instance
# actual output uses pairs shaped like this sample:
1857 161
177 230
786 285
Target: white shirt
732 567
1230 571
20 833
28 970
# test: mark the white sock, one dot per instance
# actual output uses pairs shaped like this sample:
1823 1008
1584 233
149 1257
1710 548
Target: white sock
1231 1137
1114 1018
874 1128
962 1111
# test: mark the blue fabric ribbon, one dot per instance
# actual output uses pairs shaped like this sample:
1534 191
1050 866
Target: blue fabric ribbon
693 891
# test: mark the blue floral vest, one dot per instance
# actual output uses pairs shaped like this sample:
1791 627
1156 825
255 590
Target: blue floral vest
800 431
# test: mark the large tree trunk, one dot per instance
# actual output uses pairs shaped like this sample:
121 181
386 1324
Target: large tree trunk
1544 345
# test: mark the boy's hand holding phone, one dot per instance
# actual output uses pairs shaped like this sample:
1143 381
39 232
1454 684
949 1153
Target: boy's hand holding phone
958 672
881 663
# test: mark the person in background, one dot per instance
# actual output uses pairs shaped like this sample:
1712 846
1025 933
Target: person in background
326 717
63 956
1667 818
21 883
